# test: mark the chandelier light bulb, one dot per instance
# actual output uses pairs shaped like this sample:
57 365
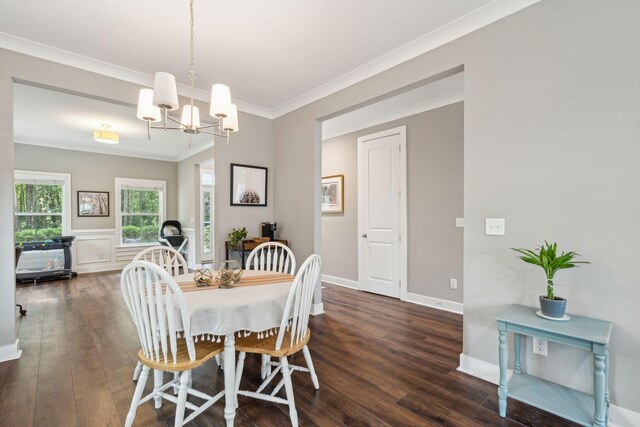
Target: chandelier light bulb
187 116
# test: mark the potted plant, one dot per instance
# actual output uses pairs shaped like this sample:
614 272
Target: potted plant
236 237
547 257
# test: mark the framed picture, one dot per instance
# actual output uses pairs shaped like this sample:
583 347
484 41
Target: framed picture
93 203
248 185
332 194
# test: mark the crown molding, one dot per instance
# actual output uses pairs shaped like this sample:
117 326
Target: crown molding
462 26
61 56
90 148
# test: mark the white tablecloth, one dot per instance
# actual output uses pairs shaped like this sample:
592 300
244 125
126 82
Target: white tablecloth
246 308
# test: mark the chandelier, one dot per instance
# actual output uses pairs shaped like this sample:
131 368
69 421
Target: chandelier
154 105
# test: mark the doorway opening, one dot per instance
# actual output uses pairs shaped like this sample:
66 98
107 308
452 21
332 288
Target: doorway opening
373 244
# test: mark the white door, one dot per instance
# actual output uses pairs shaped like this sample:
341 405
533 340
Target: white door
382 212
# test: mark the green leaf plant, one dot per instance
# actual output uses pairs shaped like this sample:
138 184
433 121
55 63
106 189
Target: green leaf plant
546 257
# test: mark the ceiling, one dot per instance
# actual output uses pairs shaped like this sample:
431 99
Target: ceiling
61 120
275 55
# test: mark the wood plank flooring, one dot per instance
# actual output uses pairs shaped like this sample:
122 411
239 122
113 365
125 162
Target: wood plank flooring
381 362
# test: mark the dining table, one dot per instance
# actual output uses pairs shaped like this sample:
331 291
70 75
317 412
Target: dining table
253 305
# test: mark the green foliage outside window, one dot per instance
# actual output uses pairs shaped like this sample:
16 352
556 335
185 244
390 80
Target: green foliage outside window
38 213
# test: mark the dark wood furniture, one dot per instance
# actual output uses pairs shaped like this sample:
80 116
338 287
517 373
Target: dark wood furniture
246 247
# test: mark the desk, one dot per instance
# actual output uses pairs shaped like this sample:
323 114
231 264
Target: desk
246 248
582 332
224 312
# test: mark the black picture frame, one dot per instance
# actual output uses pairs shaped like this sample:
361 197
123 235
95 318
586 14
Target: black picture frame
248 185
99 196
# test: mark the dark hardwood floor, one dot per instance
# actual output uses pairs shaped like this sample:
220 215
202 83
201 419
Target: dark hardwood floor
380 362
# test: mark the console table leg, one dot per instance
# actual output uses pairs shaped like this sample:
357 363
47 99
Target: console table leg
502 389
517 344
607 398
599 389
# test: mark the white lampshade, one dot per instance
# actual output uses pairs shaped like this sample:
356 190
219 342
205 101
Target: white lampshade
146 110
165 93
186 116
220 101
230 123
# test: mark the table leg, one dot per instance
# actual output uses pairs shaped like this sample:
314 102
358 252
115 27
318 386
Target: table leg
599 378
607 397
229 378
502 389
517 344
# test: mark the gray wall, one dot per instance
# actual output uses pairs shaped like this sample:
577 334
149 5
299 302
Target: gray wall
251 145
435 141
97 172
551 144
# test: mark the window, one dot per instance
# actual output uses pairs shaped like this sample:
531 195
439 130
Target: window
140 204
206 196
41 209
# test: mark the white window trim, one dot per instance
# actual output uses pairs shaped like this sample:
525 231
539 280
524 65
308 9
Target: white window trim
26 175
120 182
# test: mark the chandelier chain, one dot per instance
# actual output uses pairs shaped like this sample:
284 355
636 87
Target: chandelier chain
192 71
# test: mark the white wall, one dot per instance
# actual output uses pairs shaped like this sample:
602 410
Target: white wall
252 145
551 144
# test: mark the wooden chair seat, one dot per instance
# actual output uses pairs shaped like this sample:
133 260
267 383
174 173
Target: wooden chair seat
205 350
252 344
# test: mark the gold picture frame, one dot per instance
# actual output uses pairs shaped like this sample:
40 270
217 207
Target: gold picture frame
332 194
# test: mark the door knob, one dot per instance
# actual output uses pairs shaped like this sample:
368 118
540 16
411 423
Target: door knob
364 235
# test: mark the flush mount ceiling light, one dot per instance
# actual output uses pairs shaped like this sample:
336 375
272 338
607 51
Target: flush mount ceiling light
154 105
105 136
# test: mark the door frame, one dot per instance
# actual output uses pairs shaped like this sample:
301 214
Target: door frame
402 205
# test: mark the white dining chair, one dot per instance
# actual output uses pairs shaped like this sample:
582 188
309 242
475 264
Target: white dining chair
292 337
272 256
166 257
171 261
276 257
156 304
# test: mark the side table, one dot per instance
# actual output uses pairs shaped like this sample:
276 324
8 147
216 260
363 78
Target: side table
582 332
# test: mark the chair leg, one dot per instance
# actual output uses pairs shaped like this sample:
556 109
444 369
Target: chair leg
142 381
263 366
190 382
293 414
136 372
176 375
218 360
158 381
268 363
312 371
239 369
182 398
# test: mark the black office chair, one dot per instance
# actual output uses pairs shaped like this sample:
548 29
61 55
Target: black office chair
23 312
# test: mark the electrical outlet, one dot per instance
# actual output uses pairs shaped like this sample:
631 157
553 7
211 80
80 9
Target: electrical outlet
453 283
460 222
540 346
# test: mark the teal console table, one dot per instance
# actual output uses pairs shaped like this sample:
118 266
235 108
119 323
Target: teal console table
582 332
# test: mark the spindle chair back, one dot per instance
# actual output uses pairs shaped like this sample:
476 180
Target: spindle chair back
166 257
272 256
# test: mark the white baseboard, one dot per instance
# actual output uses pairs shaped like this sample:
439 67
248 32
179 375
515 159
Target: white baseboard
351 284
97 268
442 304
317 309
10 351
618 417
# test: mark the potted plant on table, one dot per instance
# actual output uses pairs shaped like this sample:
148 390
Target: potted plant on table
547 257
236 237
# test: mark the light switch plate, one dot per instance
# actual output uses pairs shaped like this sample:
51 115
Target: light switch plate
453 283
459 222
494 226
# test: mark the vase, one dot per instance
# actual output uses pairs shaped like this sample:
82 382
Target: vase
554 308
